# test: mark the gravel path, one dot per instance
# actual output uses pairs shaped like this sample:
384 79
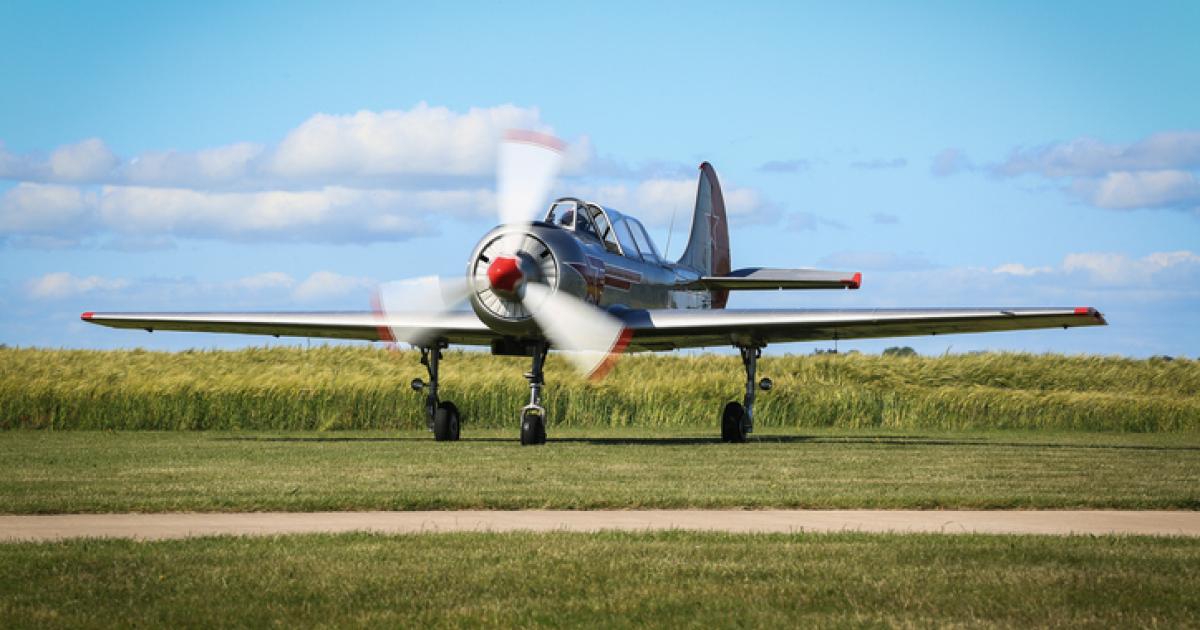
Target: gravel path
176 525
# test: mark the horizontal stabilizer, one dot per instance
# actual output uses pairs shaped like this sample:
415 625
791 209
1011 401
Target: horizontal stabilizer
762 278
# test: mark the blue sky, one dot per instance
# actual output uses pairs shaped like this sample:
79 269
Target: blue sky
289 156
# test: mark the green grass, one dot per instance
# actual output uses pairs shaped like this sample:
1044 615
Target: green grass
366 388
668 579
92 471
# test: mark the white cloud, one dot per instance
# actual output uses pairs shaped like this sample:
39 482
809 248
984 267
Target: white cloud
362 177
326 285
1089 157
266 280
89 160
1120 270
1156 172
1146 189
40 209
1017 269
423 140
229 163
59 285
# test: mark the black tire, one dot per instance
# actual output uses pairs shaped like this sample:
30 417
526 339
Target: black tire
445 423
457 422
533 429
733 425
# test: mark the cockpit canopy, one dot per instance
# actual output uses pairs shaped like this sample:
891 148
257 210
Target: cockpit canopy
620 234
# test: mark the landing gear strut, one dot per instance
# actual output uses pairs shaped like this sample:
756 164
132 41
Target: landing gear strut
738 419
440 416
533 416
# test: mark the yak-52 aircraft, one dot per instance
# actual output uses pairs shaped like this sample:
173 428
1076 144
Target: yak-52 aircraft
588 280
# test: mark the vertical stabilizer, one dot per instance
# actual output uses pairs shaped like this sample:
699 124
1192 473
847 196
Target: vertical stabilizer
707 249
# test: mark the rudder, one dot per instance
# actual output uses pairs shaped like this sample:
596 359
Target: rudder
707 249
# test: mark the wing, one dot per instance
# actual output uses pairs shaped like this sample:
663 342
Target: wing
462 328
670 329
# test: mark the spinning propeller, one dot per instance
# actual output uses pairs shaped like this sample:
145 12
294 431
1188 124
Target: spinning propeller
513 276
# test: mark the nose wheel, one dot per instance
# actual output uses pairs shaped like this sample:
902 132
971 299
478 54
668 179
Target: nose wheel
533 416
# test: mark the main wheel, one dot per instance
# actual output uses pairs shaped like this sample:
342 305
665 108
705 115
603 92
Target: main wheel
733 425
533 428
445 422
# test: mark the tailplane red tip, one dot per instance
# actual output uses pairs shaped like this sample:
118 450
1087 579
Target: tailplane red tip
87 316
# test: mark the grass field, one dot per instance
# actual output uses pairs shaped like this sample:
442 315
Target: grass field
668 579
365 387
95 471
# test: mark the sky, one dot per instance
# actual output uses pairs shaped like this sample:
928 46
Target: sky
291 156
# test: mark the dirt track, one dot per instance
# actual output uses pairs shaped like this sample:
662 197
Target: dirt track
160 526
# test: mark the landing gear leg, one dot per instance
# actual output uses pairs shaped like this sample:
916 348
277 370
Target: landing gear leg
738 419
441 416
533 416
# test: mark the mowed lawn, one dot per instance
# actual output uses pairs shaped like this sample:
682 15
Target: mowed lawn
93 471
665 579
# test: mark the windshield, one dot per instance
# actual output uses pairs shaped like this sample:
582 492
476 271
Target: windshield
649 251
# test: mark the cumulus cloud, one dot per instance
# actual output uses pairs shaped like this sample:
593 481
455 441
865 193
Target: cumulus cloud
1115 270
1018 269
89 160
326 285
330 214
362 177
267 288
1159 171
1089 157
46 209
59 285
423 140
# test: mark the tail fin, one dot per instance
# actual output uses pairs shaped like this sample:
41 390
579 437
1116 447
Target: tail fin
707 250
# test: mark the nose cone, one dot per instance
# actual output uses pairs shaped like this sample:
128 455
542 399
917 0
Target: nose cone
505 275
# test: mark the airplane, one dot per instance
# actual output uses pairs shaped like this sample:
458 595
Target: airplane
588 280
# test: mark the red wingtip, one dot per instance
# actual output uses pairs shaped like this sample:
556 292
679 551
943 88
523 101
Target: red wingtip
87 316
615 353
855 282
1083 310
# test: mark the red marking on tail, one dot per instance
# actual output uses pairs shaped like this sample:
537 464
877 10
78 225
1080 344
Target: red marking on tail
613 354
535 137
855 282
87 316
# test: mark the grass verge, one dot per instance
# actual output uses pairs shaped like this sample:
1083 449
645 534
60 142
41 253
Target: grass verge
668 579
92 471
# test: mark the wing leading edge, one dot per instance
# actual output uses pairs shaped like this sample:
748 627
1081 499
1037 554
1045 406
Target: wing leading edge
461 328
670 329
651 329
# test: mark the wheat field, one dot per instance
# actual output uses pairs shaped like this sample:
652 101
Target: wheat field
366 387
